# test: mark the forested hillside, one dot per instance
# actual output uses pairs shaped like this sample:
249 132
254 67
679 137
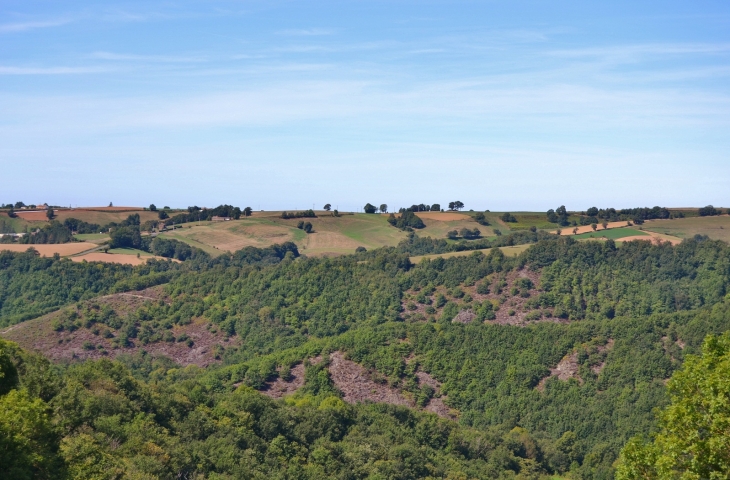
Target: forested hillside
548 362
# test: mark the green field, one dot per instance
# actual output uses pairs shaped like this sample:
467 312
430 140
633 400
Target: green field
717 227
331 236
612 233
525 220
97 238
18 225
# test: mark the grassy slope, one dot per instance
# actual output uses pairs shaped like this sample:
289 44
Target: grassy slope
332 235
17 224
717 228
613 233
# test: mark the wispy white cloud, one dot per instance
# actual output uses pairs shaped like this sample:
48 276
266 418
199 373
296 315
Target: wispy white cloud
306 32
52 70
25 26
626 51
146 58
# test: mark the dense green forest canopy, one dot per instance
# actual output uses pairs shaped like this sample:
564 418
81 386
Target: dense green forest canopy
621 318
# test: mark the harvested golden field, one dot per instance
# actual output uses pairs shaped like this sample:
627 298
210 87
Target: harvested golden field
47 250
653 237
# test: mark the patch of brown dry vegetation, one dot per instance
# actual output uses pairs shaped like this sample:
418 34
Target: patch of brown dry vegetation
510 309
39 335
279 387
356 384
568 367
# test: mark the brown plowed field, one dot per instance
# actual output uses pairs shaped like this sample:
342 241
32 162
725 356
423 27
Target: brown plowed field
47 250
33 216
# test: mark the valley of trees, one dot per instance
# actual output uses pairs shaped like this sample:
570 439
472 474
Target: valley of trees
626 318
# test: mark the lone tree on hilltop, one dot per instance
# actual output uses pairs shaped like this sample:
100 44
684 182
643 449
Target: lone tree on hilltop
369 208
153 208
111 204
435 207
327 207
247 212
457 205
562 215
383 208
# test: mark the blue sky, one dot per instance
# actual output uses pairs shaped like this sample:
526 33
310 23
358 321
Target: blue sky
520 105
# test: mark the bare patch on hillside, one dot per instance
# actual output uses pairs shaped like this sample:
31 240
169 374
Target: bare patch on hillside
568 367
509 294
356 384
436 404
279 387
194 343
464 316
